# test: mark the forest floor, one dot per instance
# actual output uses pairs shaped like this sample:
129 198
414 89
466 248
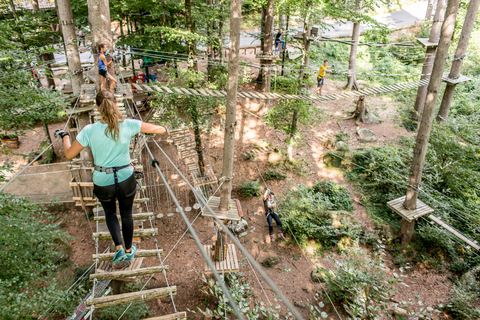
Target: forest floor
425 287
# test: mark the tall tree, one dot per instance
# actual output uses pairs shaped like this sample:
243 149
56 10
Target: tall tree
423 136
71 47
267 37
468 24
352 79
231 103
429 58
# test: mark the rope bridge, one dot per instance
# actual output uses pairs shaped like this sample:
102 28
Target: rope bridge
259 95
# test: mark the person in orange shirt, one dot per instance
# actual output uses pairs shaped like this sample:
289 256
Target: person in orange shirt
321 76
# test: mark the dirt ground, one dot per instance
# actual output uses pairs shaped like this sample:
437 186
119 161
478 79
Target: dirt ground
291 275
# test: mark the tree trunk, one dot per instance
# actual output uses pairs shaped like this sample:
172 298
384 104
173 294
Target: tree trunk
458 59
12 7
305 41
261 73
209 43
122 33
65 18
100 25
198 143
231 103
35 5
415 176
429 58
291 138
47 133
48 72
267 46
284 51
191 29
352 79
428 14
407 230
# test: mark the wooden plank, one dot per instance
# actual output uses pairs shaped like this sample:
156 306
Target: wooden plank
137 87
235 260
174 316
136 216
125 298
157 88
138 254
147 88
127 273
141 233
454 231
167 89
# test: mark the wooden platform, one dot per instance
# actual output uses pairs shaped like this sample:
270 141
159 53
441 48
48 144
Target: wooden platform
267 57
452 230
87 97
410 215
214 203
458 80
426 44
230 264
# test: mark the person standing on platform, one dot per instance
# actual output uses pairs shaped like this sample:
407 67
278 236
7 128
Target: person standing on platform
278 40
81 37
113 175
321 77
270 204
103 68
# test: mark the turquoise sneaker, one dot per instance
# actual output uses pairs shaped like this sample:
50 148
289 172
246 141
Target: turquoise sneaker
119 256
130 256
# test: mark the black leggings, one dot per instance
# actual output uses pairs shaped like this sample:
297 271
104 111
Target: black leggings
270 216
124 192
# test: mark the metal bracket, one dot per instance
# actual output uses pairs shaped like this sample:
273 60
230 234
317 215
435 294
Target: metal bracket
66 22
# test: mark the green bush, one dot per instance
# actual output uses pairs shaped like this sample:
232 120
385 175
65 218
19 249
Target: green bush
360 284
31 260
463 304
311 214
275 175
337 195
240 289
251 188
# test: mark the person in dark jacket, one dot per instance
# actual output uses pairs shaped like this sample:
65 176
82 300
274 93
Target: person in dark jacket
270 204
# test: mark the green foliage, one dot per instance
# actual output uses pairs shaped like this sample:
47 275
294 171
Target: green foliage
463 304
275 175
311 214
251 188
137 310
336 194
33 250
241 292
361 284
24 104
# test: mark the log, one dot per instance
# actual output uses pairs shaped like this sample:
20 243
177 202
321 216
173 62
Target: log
173 316
138 254
136 216
142 233
125 298
127 273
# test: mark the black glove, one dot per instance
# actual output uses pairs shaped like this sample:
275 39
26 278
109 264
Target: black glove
333 66
61 133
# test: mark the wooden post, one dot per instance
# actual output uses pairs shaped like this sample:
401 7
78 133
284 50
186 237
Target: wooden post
429 58
100 25
407 230
267 46
458 59
424 130
65 18
231 103
352 78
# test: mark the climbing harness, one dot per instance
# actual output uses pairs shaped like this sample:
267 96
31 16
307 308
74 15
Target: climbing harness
109 170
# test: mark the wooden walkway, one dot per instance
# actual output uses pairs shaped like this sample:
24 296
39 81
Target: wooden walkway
260 95
185 142
455 232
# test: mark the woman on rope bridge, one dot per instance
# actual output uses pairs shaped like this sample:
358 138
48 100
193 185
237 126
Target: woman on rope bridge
103 68
113 176
269 203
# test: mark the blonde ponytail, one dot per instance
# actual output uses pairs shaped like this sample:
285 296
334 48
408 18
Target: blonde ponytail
109 113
